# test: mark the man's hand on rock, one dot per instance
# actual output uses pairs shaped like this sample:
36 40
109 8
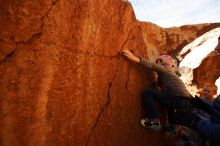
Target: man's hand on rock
131 56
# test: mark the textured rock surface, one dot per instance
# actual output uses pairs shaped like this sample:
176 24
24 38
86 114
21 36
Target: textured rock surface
62 80
200 65
172 40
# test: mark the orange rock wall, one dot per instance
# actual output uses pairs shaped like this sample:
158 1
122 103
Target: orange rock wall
208 72
172 40
62 80
200 66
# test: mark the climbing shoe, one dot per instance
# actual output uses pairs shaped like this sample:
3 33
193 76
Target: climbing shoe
150 124
171 128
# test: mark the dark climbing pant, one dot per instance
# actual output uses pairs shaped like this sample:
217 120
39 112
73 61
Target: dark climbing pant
150 97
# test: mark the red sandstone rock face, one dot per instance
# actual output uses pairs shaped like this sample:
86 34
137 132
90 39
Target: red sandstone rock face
172 40
62 80
200 65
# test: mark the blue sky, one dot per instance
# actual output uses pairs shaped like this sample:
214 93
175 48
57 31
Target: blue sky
168 13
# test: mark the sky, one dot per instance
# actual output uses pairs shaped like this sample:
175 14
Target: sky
169 13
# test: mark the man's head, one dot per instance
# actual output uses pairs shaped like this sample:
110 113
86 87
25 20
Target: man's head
209 91
218 45
165 60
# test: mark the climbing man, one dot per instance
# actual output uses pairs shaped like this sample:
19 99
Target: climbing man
173 94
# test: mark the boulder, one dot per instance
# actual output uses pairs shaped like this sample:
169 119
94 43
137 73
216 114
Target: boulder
199 64
63 80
